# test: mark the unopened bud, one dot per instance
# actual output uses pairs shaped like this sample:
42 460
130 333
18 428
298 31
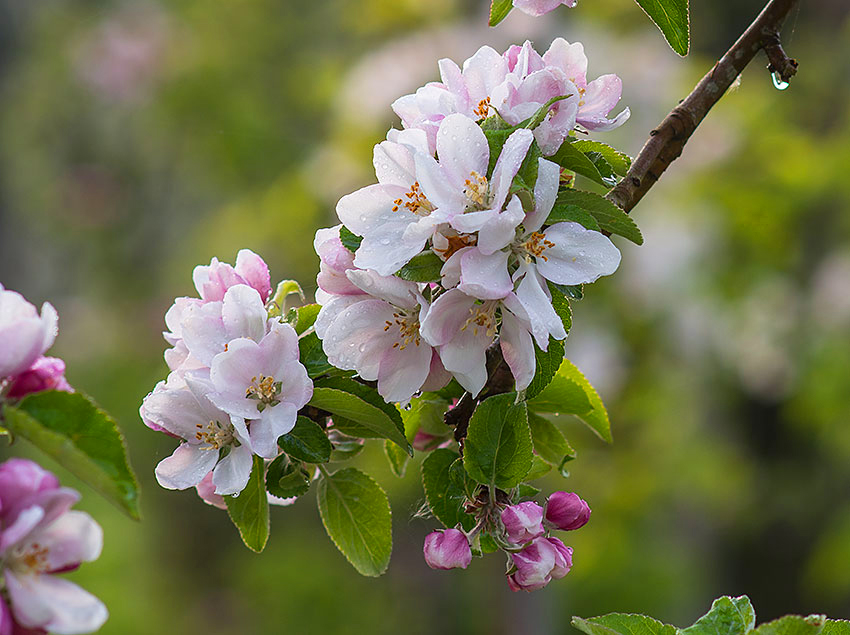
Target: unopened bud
447 549
567 511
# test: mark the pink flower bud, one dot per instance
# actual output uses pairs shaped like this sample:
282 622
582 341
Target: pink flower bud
447 549
567 511
537 8
24 335
523 522
540 562
46 373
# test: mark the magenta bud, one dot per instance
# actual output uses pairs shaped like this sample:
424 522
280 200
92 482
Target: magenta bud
539 563
567 511
523 522
447 549
46 373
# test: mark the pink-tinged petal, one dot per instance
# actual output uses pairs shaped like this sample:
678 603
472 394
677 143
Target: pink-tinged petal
7 624
438 188
385 249
394 290
356 340
255 271
553 131
579 256
462 148
563 558
330 311
500 230
206 491
485 277
21 483
394 164
454 82
231 474
465 357
281 502
203 331
176 411
569 58
297 388
403 371
185 467
603 124
602 95
46 373
438 376
243 313
54 604
27 520
274 422
483 72
523 522
370 207
527 60
56 502
447 315
22 344
545 193
447 549
508 164
450 272
416 140
534 296
279 346
517 349
72 538
214 280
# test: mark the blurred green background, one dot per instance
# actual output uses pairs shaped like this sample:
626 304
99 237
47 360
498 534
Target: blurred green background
142 138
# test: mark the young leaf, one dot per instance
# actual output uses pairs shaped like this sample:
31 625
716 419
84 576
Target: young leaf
610 217
499 10
444 495
426 414
81 437
303 317
623 624
423 267
671 17
312 356
606 172
286 479
345 447
620 161
836 627
356 514
571 214
284 289
562 395
497 451
549 441
249 511
397 457
306 442
349 239
562 305
794 625
728 616
357 413
547 364
562 399
570 158
539 468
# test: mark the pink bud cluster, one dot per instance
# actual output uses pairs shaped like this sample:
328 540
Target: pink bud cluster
236 382
41 537
25 337
441 196
535 557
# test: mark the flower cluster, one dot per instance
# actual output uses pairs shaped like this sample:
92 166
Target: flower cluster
534 557
40 537
236 383
24 338
451 250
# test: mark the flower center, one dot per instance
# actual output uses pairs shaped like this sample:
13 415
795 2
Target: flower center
264 390
31 558
482 111
483 317
455 244
215 434
416 202
477 191
408 329
536 245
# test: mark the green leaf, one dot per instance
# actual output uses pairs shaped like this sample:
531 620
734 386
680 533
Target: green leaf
728 616
597 417
426 414
549 441
671 17
307 441
285 479
620 161
356 514
312 356
572 214
603 167
359 410
345 447
793 625
836 627
444 495
349 239
249 511
285 288
423 267
497 450
610 217
397 457
303 317
539 468
547 364
573 159
623 624
526 491
537 118
570 291
562 395
81 437
499 10
561 305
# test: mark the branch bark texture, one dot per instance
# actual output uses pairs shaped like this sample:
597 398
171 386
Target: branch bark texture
666 142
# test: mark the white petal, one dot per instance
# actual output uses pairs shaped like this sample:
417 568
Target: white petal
274 422
538 305
517 349
579 256
508 164
394 290
186 467
485 276
465 358
356 340
243 313
72 538
403 371
446 317
231 474
462 148
54 604
500 230
545 193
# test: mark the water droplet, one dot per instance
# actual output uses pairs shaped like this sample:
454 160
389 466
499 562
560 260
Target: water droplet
362 347
780 83
362 218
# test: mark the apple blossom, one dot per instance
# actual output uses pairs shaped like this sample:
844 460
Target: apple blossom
537 8
544 560
567 511
213 280
41 537
24 334
46 373
523 522
447 549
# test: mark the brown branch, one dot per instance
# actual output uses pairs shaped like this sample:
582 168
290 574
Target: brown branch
666 142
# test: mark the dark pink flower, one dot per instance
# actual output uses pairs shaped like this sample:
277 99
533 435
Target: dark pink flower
523 522
46 373
447 549
542 561
567 511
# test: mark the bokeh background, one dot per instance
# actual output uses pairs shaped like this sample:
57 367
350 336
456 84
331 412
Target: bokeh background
142 138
